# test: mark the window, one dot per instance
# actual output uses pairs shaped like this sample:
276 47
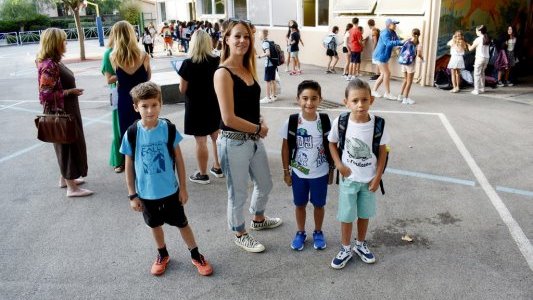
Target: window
163 11
213 7
395 7
315 12
359 6
258 12
283 12
239 7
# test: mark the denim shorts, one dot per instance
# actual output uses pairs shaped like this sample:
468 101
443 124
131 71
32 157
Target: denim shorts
355 201
310 189
294 54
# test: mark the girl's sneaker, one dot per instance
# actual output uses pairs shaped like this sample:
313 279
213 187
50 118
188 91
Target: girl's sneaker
299 241
389 96
408 101
217 172
361 249
265 100
341 259
400 98
376 94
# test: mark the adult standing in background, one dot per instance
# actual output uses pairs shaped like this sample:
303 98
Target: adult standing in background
388 39
242 152
202 114
132 67
58 92
116 159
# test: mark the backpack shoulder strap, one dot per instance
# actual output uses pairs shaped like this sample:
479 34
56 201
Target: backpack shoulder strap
379 126
342 126
170 140
291 135
131 133
326 128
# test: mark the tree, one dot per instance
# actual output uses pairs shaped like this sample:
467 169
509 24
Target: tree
74 7
130 11
18 11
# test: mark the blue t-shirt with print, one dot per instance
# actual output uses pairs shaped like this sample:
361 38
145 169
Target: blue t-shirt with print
154 175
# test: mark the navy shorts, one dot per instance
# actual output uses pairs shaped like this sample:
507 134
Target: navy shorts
165 210
317 188
270 73
355 57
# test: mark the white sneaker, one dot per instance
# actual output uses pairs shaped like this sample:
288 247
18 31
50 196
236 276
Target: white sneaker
376 94
408 101
475 92
265 100
349 78
273 98
400 98
389 97
248 243
267 223
481 91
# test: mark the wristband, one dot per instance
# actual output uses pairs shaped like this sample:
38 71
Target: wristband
133 196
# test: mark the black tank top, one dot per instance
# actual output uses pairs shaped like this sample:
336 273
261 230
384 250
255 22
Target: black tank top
245 100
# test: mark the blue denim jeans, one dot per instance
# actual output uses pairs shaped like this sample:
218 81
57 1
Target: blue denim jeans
239 161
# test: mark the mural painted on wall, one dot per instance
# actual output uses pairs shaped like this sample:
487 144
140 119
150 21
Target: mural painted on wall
497 15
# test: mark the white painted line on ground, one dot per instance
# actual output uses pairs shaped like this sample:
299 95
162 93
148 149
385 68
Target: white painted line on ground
524 245
27 149
514 191
10 106
431 177
345 110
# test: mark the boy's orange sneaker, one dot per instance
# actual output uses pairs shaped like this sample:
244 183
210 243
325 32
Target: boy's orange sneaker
160 265
203 266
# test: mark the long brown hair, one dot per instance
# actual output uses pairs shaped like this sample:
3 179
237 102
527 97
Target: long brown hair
51 41
249 57
416 36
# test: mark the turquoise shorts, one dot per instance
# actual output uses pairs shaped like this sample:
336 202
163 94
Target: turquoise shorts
355 201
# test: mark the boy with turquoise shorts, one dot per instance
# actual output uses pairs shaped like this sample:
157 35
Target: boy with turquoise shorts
360 169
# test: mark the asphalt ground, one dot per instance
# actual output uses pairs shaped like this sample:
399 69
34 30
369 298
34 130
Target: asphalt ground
459 182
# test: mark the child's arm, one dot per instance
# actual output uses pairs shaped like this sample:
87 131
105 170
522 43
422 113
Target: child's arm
135 203
344 170
285 162
374 184
180 167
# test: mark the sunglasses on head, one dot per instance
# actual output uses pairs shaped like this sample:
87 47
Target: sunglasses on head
239 20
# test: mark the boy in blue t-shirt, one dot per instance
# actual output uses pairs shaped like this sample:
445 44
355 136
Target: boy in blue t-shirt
150 177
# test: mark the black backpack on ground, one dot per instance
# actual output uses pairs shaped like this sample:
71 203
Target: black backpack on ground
291 136
132 139
379 127
443 80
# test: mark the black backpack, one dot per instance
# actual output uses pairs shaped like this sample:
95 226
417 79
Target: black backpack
291 135
132 139
276 54
379 127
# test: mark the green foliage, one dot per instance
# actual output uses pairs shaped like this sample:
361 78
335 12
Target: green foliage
9 26
130 11
18 10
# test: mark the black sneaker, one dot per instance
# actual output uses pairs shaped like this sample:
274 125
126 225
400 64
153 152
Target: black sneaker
217 172
374 77
201 179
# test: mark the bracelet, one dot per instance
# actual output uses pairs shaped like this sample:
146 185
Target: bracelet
258 129
133 196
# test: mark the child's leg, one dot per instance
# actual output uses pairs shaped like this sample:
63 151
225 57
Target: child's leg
408 82
272 84
300 214
362 227
347 64
335 61
329 62
380 78
458 78
159 236
346 233
454 84
319 217
188 237
357 69
352 69
268 89
404 84
214 137
386 77
202 155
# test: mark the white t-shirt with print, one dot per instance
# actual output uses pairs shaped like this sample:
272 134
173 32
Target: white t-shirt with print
357 153
311 160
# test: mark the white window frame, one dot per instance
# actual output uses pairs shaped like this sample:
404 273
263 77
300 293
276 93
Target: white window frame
359 6
384 7
212 15
301 15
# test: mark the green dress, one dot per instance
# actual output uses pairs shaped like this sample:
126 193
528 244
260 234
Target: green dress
115 158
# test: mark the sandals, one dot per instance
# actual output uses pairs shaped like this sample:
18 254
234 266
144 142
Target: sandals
62 184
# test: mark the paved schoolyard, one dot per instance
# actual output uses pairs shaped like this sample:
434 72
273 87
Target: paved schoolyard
458 182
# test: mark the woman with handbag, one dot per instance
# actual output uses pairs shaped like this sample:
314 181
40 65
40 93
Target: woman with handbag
58 92
132 66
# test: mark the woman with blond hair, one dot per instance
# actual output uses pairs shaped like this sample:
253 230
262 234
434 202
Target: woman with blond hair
132 66
202 115
58 92
241 150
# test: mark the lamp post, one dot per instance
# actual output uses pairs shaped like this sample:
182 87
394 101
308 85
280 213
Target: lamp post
99 28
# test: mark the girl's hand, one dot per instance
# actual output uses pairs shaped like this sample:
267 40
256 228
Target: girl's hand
136 205
287 178
344 170
75 92
183 196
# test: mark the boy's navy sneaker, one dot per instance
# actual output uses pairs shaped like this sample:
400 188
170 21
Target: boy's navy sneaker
198 178
319 242
341 259
364 253
299 241
217 172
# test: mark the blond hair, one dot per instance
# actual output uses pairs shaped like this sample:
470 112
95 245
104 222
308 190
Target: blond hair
249 57
200 47
52 40
126 52
144 91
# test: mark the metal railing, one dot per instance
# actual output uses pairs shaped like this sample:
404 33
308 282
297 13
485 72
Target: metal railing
33 37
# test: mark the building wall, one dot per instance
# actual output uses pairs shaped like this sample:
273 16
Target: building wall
175 10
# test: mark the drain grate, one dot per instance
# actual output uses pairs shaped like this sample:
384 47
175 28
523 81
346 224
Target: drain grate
329 104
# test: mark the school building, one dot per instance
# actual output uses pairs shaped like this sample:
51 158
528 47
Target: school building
436 19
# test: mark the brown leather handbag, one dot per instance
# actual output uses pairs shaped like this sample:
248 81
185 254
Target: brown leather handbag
56 127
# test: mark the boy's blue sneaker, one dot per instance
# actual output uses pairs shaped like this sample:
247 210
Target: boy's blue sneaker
364 253
299 241
319 242
341 259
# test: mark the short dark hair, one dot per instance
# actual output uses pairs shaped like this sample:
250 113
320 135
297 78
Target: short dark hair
371 22
335 29
355 20
144 91
309 84
356 84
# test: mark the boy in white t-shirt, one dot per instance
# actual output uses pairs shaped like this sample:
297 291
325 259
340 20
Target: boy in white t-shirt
306 149
360 169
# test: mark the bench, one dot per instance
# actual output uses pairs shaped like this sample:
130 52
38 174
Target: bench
169 83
